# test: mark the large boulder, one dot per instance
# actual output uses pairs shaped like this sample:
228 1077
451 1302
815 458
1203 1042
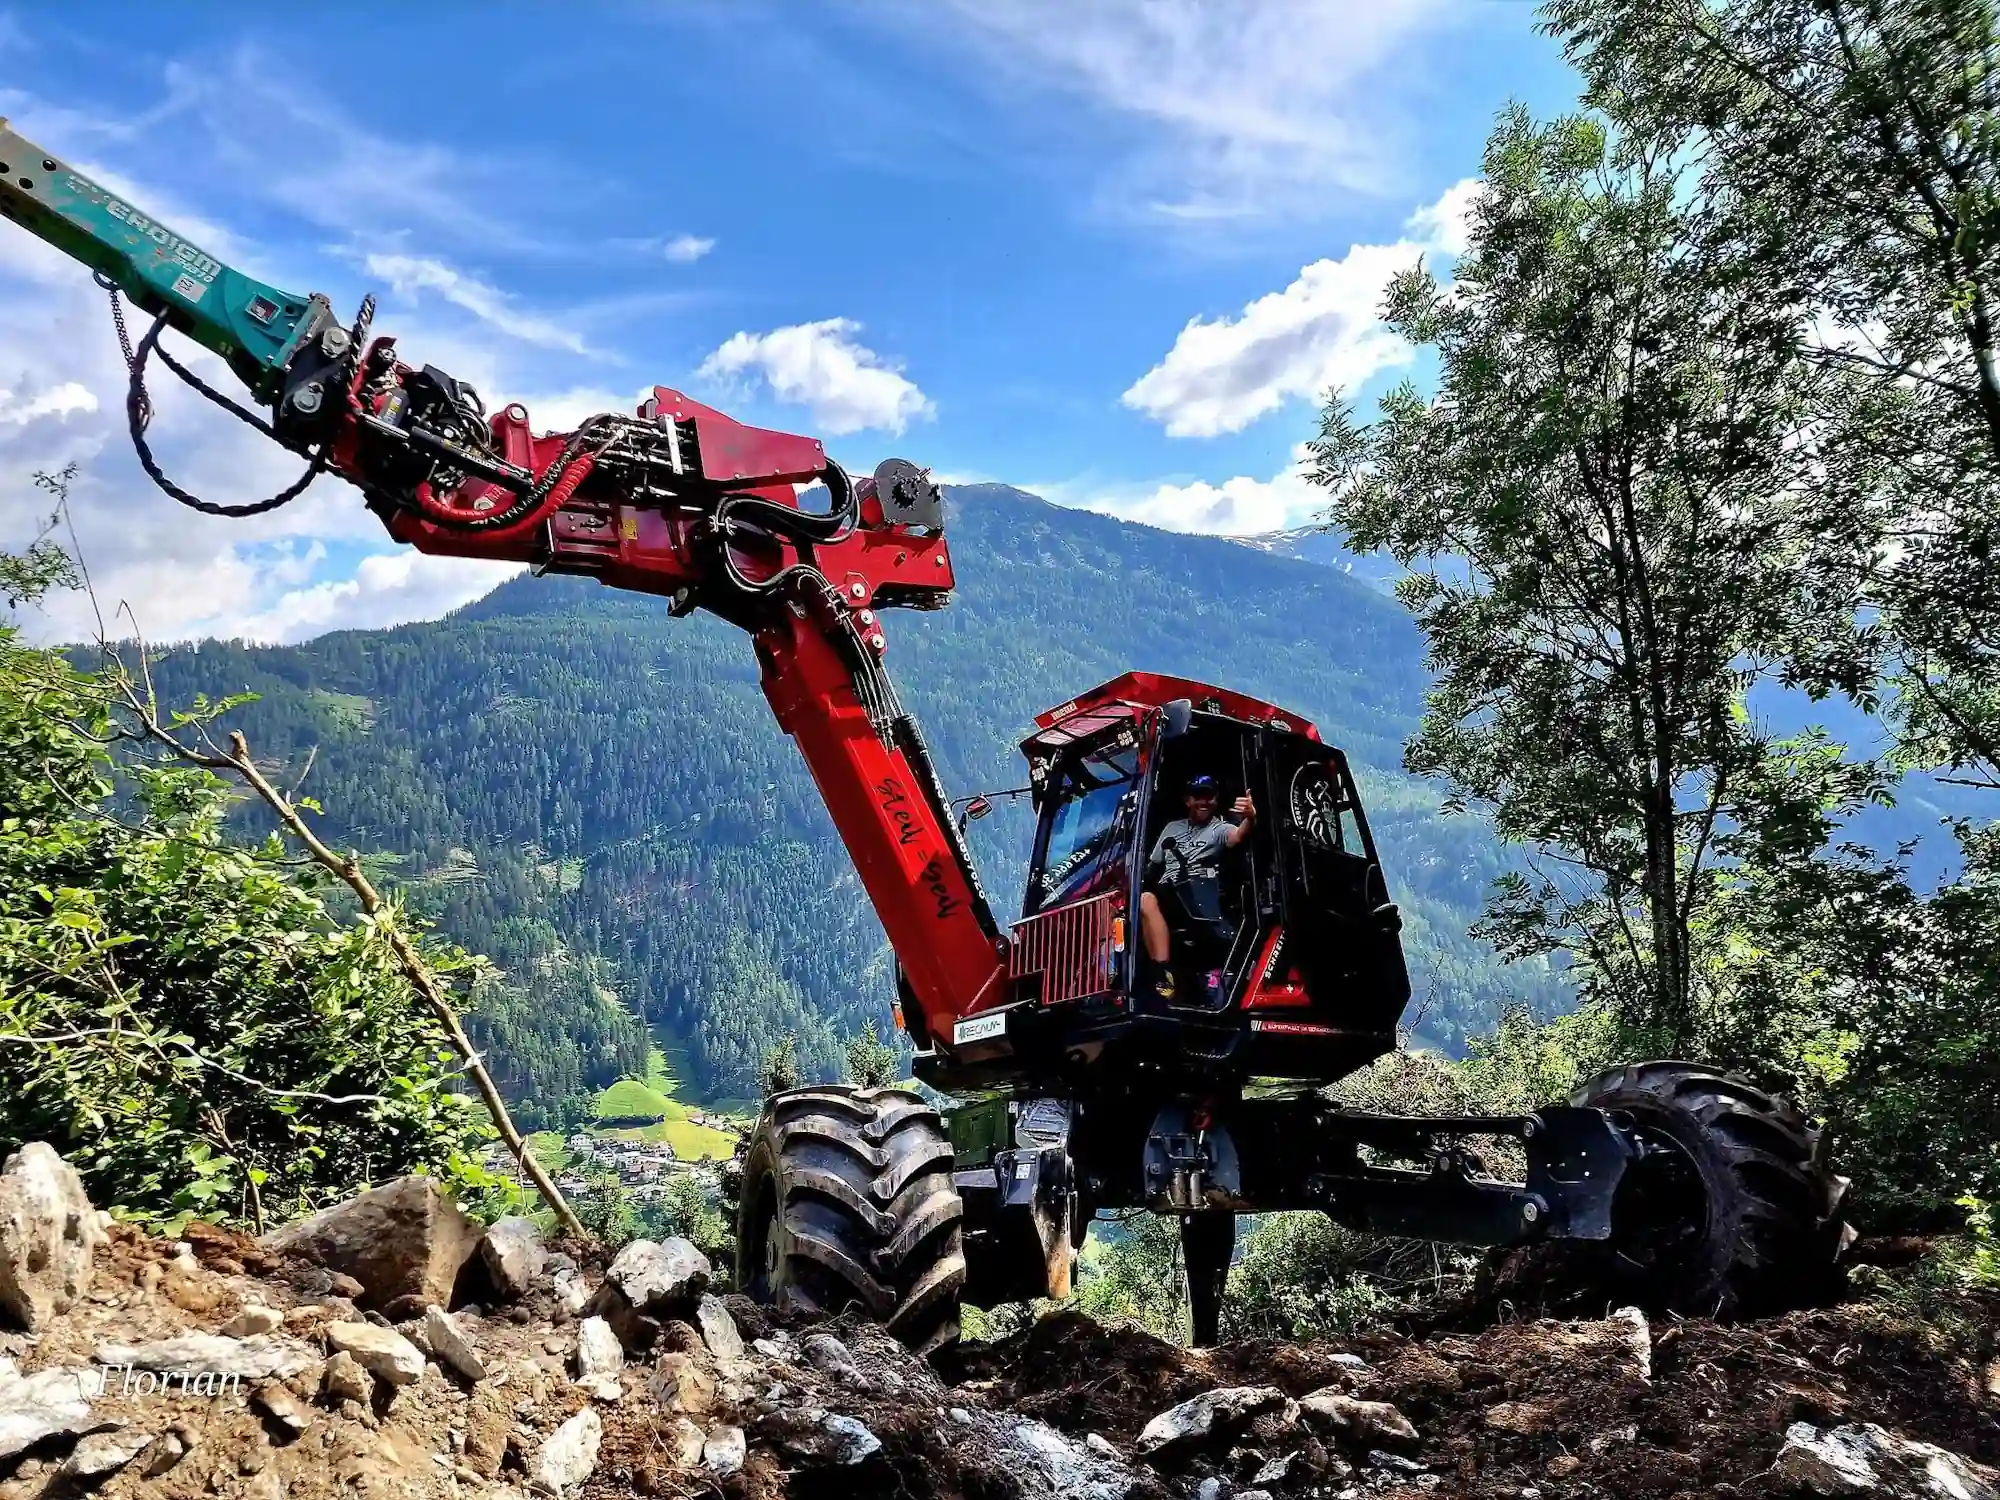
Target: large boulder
569 1456
514 1256
648 1283
404 1242
48 1234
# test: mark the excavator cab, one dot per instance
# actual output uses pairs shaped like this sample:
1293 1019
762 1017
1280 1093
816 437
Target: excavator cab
1292 969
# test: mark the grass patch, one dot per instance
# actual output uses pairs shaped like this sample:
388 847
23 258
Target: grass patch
691 1142
349 713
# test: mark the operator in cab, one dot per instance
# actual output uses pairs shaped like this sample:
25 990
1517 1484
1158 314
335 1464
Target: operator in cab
1185 867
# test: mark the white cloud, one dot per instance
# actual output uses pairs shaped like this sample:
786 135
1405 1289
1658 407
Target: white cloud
846 385
1241 506
60 401
1250 109
408 275
386 589
1322 331
687 248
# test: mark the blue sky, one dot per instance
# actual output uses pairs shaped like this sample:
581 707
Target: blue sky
1109 250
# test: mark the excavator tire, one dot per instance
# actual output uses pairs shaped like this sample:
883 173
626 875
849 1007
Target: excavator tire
1734 1211
847 1201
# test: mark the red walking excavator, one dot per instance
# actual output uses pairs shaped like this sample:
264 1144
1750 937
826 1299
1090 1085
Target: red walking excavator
1086 1083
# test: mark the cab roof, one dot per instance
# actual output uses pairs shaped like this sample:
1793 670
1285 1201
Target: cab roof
1128 698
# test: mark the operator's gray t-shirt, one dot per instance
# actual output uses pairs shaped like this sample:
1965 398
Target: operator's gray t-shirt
1189 859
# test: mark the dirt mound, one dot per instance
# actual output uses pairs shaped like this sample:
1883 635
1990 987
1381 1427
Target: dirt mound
1558 1408
713 1397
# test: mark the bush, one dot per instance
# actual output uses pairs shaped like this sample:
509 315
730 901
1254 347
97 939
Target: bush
187 1020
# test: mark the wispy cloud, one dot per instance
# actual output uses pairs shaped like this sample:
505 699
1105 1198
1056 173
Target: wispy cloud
846 385
1322 331
1251 110
410 275
686 249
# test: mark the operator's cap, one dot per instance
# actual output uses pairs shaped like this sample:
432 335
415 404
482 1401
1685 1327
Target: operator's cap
1200 784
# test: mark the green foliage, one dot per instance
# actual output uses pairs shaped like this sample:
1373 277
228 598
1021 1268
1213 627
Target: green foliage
1137 1278
1611 507
607 1210
781 1067
1857 144
871 1062
1301 1276
189 1020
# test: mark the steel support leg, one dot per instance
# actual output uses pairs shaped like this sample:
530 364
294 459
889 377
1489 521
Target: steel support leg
1208 1239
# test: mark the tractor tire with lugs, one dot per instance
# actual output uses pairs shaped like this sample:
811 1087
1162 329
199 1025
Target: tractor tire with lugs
847 1201
1734 1210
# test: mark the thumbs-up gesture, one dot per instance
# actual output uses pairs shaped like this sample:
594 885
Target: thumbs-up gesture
1245 808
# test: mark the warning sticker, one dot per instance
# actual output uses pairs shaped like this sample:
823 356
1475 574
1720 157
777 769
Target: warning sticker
186 286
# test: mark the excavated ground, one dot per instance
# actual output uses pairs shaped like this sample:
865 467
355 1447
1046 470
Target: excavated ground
1544 1409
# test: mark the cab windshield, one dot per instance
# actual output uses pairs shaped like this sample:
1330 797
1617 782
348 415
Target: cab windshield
1083 856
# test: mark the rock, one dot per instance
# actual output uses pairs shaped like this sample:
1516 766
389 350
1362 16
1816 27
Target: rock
828 1355
166 1450
266 1485
570 1455
1640 1338
1395 1463
1864 1459
817 1434
687 1442
283 1406
450 1346
104 1453
724 1451
1364 1421
1103 1447
1522 1418
679 1384
572 1296
45 1404
382 1352
252 1320
718 1329
48 1234
1253 1495
1278 1470
605 1388
514 1255
1211 1415
857 1443
598 1351
403 1239
1349 1361
346 1380
655 1278
1211 1488
266 1356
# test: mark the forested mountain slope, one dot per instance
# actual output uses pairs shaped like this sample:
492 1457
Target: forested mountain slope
595 796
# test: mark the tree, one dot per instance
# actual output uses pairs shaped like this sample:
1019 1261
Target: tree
1859 142
781 1067
871 1062
1612 509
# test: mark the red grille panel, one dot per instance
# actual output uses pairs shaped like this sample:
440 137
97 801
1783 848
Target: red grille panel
1070 947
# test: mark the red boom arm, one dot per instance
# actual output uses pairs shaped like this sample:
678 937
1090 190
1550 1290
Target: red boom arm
684 502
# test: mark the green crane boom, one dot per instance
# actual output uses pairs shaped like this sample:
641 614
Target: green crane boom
256 327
